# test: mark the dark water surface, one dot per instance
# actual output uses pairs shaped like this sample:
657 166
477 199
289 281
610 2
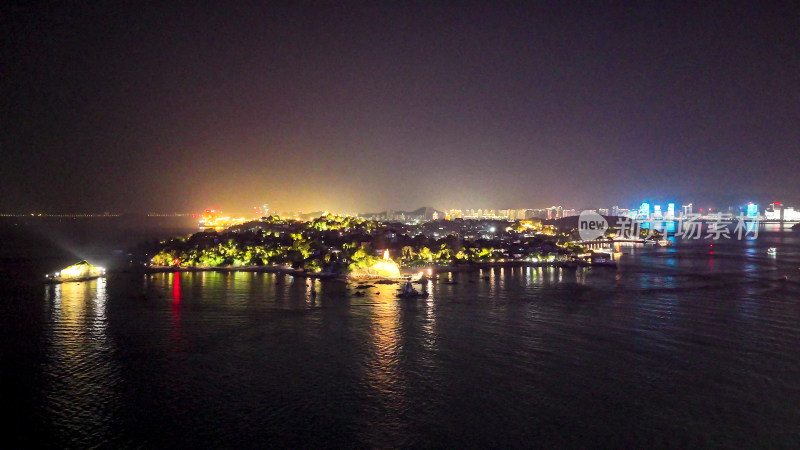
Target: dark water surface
678 348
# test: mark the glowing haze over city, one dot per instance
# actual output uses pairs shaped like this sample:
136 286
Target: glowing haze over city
357 107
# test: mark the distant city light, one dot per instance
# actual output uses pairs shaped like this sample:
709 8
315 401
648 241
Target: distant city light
644 211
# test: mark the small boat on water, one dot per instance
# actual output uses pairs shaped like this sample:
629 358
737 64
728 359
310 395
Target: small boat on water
80 271
772 251
603 259
409 292
415 294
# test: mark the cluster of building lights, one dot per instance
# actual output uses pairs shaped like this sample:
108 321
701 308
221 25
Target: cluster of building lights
211 219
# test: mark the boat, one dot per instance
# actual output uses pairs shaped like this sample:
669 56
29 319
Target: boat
603 259
603 263
410 292
80 271
413 294
772 251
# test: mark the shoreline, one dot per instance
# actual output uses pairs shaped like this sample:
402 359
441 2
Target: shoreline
405 271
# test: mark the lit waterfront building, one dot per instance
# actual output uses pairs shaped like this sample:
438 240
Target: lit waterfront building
778 211
657 212
644 211
214 220
554 212
454 214
512 214
670 210
687 209
569 213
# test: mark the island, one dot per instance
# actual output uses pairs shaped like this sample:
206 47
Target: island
336 246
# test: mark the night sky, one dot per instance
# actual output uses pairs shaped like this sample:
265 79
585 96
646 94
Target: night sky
349 106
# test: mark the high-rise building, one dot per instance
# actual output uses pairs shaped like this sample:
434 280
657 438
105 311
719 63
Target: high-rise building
670 210
686 210
569 212
644 211
554 212
657 212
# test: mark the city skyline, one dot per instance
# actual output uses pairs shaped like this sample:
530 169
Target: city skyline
670 209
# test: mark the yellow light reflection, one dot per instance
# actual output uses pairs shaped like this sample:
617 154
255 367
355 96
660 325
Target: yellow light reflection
81 367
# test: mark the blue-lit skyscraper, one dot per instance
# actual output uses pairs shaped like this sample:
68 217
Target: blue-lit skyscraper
752 210
657 212
670 210
644 211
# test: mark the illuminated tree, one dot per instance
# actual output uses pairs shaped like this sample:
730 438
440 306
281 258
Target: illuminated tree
425 254
362 258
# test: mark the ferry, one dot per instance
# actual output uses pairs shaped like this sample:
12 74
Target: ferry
80 271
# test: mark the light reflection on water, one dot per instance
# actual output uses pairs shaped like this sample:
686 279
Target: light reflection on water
81 374
494 357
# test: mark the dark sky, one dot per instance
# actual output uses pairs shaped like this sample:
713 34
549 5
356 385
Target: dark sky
174 106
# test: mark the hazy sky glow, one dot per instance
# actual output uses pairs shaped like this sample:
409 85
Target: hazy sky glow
366 106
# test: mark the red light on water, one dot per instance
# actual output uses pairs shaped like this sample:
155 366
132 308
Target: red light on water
176 288
710 253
